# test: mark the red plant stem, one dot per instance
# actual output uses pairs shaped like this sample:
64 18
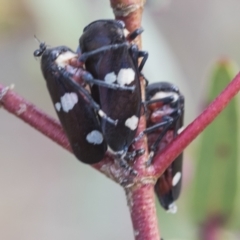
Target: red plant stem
130 11
143 212
166 157
26 111
141 196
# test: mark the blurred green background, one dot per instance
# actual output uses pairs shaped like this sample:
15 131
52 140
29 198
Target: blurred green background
45 193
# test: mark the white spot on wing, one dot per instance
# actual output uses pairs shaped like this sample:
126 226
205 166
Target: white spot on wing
110 77
63 59
95 137
176 178
126 32
68 101
172 208
58 106
161 94
132 122
125 76
101 113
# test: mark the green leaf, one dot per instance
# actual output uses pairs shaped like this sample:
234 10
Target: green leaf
216 183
